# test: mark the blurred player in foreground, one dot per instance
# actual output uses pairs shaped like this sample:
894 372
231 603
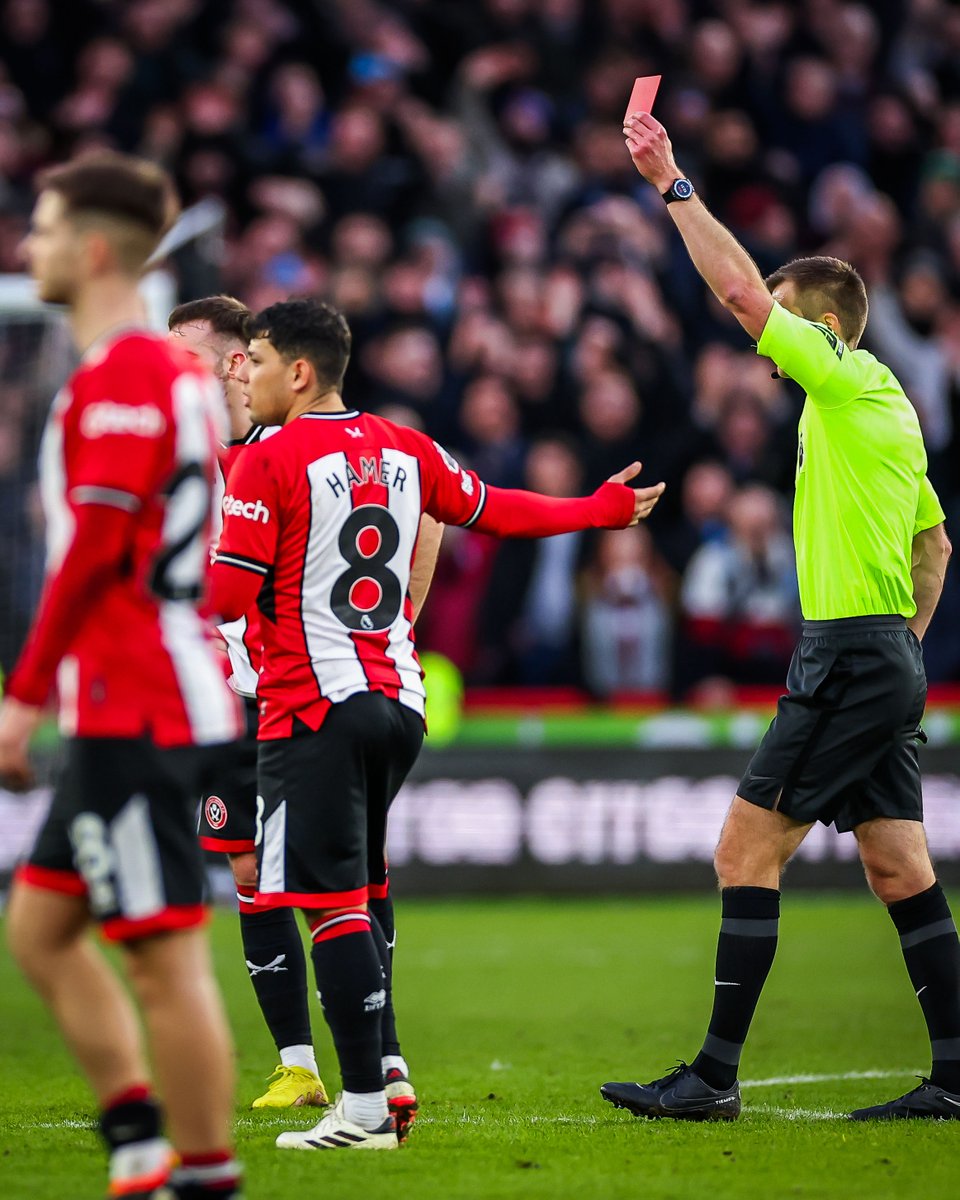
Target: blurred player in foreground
872 553
329 511
127 469
215 329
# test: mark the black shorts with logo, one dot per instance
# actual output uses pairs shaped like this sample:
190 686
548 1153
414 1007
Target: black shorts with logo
228 811
325 797
843 745
121 833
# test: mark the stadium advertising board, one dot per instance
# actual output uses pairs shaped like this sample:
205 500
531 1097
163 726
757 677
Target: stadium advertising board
580 819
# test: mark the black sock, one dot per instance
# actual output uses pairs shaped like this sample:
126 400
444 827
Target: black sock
745 949
134 1117
351 985
278 971
385 935
931 950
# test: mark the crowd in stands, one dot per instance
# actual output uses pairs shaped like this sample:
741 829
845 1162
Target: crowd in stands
452 174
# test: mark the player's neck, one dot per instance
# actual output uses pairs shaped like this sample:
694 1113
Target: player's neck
324 402
104 304
237 412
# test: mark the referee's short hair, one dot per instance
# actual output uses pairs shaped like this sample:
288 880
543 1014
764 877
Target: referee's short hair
823 284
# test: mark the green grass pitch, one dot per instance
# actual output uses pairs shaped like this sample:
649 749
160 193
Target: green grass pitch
512 1013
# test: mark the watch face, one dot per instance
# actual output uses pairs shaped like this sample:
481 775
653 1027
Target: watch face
683 189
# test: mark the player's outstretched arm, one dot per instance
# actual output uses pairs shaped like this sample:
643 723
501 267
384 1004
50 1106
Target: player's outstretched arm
508 512
729 271
931 553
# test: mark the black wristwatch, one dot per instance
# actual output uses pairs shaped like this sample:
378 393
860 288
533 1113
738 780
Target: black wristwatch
680 189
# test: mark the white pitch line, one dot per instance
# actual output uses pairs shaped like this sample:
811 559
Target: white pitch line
797 1114
778 1080
790 1114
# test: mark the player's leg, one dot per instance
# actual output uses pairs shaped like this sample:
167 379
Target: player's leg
380 907
272 945
48 937
899 871
273 952
315 788
47 933
385 778
401 1094
152 906
68 871
172 977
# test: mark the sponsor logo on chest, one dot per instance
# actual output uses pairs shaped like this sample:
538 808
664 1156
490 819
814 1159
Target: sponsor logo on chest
107 417
250 510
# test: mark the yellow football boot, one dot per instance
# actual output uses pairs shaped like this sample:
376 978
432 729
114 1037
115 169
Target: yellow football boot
293 1087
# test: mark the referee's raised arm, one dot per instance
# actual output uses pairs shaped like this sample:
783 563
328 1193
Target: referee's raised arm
729 271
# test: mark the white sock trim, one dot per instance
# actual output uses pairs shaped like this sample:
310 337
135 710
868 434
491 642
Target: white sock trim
139 1160
391 1061
366 1109
299 1056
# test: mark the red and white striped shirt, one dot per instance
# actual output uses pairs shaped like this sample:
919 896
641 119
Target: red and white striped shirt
127 467
327 513
243 637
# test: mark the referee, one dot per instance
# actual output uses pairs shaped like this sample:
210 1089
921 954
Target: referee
871 557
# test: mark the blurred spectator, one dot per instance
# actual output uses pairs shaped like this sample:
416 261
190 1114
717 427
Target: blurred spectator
739 598
490 424
626 616
705 498
528 618
609 411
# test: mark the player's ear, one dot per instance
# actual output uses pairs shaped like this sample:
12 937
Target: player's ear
97 252
234 362
301 375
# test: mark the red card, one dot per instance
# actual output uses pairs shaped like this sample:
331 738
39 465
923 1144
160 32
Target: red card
643 95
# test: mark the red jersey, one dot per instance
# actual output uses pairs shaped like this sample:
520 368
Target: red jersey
127 467
327 513
243 637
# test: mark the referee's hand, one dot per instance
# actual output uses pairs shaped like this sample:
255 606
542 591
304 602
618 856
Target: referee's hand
644 499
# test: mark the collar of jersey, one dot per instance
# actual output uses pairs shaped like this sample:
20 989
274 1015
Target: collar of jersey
348 414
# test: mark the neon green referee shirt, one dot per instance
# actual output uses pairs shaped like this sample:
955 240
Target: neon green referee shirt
862 491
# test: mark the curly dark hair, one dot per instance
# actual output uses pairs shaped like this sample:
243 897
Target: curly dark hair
307 329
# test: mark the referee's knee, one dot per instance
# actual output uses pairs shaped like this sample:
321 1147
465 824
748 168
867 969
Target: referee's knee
891 882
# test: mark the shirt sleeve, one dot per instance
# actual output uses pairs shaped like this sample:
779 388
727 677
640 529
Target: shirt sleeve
451 493
929 509
828 371
251 513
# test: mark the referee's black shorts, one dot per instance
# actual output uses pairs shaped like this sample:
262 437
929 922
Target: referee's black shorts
842 748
